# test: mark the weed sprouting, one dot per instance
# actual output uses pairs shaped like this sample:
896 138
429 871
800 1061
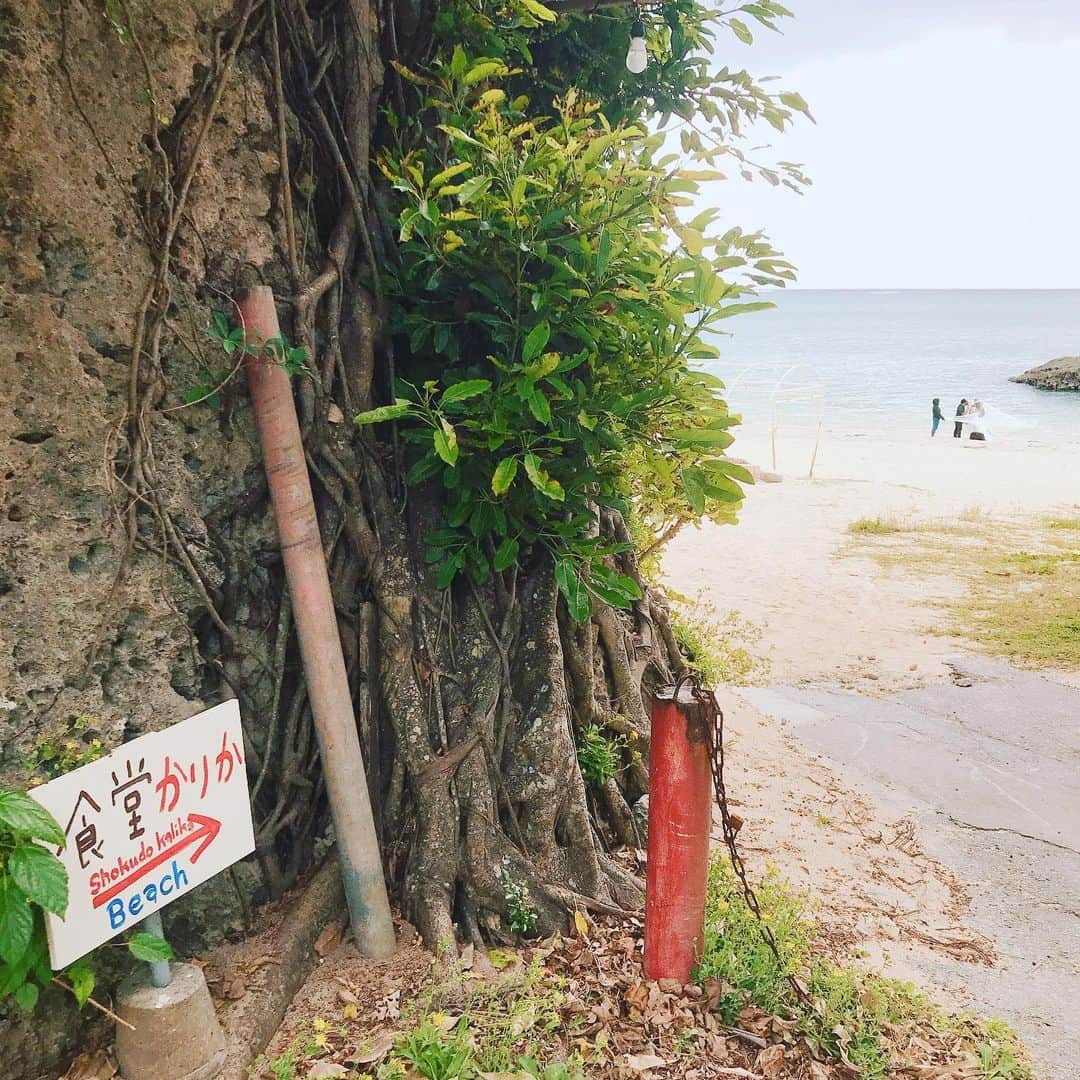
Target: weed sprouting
716 646
521 914
599 755
876 526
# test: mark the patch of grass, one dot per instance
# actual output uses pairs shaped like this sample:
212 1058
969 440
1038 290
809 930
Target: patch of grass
852 1015
1017 591
875 526
716 646
507 1021
1063 523
461 1028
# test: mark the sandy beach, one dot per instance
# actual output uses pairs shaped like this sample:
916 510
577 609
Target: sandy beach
934 871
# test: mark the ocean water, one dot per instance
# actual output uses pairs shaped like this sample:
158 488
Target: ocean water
872 360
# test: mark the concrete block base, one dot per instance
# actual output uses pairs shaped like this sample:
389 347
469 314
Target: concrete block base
177 1035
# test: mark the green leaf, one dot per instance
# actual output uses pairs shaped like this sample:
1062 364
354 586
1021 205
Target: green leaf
621 584
795 101
745 309
485 69
544 483
383 412
475 185
534 7
149 947
504 475
440 178
423 470
461 391
535 342
41 875
506 554
16 921
705 436
539 407
603 253
459 62
26 817
445 440
81 977
574 592
742 31
694 486
26 997
446 573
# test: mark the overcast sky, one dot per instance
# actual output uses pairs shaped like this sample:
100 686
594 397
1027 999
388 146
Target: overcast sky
947 147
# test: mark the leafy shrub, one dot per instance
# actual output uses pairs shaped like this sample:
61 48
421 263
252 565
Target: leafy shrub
552 323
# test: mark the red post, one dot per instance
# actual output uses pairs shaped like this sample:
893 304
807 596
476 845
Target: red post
680 820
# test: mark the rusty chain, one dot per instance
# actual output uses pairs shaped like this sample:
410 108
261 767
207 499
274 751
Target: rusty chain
714 716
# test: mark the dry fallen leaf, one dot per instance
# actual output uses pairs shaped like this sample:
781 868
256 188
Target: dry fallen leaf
374 1051
644 1062
96 1066
581 924
327 1069
770 1062
328 940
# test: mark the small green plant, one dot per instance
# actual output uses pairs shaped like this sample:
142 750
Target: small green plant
715 646
50 758
234 343
876 526
599 755
437 1053
521 914
32 880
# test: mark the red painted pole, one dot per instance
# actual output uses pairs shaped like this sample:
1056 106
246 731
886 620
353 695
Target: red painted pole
680 819
317 630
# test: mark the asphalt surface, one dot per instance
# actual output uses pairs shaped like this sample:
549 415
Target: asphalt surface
989 767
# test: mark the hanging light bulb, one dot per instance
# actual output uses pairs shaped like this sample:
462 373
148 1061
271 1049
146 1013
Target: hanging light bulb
637 59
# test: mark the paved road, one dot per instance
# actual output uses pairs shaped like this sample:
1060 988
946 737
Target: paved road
991 771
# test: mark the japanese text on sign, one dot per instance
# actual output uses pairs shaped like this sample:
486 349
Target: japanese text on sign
146 824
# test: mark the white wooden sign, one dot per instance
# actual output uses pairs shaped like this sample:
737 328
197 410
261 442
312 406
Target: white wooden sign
145 825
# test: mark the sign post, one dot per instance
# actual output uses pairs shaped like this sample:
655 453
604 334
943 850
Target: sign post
146 825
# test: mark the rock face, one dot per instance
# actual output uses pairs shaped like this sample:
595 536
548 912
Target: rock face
1060 374
84 653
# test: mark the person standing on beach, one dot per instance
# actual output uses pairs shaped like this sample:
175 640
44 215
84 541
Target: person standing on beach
958 427
937 417
978 422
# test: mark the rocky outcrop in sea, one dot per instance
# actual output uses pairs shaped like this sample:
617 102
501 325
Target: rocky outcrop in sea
1060 374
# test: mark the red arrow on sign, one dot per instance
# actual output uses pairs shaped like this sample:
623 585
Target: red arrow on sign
206 829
